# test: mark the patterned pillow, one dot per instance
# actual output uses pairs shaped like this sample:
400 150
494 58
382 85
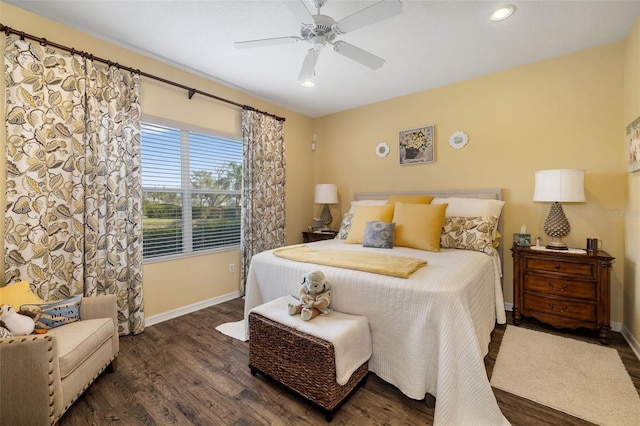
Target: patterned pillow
379 234
471 207
469 233
5 333
55 314
345 227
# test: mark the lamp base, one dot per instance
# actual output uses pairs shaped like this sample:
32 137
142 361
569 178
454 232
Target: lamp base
557 226
325 217
556 243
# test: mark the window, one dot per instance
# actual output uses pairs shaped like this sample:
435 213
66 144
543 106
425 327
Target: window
191 185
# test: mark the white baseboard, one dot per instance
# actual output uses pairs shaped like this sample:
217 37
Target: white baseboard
615 326
635 345
175 313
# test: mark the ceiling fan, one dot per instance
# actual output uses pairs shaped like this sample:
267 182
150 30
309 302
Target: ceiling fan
319 30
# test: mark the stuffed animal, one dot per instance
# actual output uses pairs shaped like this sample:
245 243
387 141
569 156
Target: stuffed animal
17 324
315 297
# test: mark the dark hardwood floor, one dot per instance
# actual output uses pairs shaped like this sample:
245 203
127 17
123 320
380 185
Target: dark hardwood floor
184 372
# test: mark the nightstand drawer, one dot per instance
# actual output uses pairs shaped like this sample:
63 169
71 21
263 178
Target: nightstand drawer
561 307
557 266
558 287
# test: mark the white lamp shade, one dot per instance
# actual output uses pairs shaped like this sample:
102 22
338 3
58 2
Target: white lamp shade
326 193
559 185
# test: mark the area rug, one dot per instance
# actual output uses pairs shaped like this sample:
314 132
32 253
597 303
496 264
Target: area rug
236 330
582 379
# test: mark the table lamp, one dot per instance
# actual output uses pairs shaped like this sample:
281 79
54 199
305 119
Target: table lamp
326 193
558 186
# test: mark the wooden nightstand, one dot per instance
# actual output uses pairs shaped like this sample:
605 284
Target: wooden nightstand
565 290
309 237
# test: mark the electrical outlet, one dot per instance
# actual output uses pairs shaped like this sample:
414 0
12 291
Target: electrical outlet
232 268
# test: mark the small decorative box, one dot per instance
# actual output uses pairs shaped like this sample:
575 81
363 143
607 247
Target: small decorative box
522 240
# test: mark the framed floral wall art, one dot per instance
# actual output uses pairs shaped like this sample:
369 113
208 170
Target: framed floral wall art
416 145
633 146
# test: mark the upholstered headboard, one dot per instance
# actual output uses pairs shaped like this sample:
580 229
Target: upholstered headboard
486 194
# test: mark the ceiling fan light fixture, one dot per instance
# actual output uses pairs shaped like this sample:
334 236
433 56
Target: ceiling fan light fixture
502 13
307 84
323 30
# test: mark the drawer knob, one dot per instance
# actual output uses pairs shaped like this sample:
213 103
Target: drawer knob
554 309
561 288
557 266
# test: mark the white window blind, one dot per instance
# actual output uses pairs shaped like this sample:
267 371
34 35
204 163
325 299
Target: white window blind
191 191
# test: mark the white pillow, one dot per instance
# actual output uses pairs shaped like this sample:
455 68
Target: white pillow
471 207
365 203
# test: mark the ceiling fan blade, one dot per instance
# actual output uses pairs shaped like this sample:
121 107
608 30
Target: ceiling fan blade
300 11
374 13
309 65
362 56
266 42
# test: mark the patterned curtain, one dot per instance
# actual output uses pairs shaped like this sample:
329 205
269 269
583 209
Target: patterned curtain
263 187
113 192
73 223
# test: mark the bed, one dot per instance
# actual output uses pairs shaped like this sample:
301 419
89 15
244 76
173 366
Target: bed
430 331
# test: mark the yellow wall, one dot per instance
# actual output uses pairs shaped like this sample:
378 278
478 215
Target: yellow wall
631 294
568 112
560 113
175 284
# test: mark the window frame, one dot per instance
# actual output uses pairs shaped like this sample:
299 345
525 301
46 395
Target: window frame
186 191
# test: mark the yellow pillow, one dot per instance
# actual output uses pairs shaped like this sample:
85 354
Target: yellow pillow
364 214
411 199
419 225
18 294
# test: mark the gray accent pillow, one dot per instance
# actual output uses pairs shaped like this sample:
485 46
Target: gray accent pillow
379 234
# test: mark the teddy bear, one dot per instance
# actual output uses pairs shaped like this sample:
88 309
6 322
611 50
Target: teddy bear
315 297
17 324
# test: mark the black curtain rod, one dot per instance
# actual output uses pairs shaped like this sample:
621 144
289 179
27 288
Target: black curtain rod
91 57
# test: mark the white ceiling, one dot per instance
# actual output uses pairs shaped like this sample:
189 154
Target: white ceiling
432 43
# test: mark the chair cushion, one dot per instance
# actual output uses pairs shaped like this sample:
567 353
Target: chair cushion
78 340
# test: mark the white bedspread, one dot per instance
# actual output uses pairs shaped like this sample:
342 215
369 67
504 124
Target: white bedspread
430 332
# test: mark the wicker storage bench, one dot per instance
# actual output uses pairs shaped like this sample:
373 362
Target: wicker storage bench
282 353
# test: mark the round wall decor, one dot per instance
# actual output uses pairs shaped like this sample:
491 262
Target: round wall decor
382 150
458 139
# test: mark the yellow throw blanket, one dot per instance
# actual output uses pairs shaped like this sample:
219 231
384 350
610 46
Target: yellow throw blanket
378 263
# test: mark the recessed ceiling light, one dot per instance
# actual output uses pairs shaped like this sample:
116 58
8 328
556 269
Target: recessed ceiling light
503 13
307 83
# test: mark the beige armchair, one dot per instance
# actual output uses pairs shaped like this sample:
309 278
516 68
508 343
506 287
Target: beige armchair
42 375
